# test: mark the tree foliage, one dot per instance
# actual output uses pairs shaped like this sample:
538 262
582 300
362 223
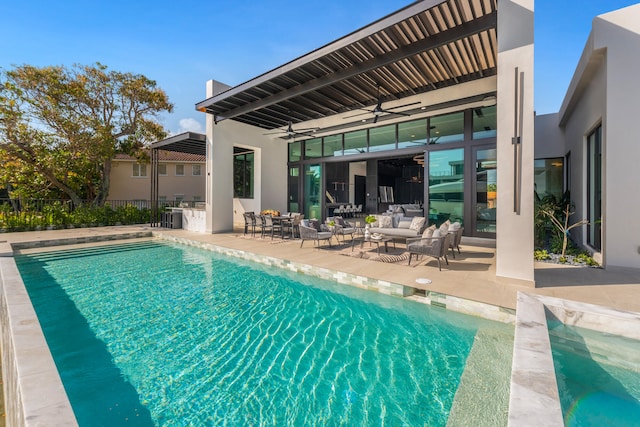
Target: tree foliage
61 127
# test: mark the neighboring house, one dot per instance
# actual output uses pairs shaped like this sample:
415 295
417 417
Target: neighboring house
181 176
435 103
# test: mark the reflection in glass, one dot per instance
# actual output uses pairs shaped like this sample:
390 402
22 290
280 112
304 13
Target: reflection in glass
355 142
486 191
382 138
594 188
333 145
294 186
295 151
446 128
312 180
484 122
548 177
446 186
313 148
411 134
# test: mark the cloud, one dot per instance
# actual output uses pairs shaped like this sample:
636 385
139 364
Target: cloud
190 125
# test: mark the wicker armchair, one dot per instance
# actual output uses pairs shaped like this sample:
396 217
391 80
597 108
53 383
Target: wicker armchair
342 228
435 247
310 233
454 243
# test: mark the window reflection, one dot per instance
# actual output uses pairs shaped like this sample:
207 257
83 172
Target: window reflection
446 128
411 134
484 122
446 186
355 142
313 148
332 145
382 138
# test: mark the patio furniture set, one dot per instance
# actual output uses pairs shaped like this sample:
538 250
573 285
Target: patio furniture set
429 241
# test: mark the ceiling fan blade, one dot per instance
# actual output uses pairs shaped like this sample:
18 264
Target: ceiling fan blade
397 113
359 114
375 119
404 105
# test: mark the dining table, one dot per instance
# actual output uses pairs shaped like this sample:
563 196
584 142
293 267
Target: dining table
283 222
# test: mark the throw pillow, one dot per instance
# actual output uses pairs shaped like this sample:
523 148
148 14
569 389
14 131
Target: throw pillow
437 233
339 220
444 227
416 223
428 232
455 226
385 222
314 223
404 223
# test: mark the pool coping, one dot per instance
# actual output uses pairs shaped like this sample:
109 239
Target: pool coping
533 379
32 387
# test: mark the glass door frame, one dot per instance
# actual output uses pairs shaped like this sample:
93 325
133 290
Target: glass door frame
473 182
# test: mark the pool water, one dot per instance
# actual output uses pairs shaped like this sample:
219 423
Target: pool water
598 377
154 333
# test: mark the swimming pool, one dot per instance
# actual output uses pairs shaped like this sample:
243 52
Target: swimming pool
598 376
164 334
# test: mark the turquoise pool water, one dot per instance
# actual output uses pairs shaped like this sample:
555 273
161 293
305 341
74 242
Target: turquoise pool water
598 377
155 333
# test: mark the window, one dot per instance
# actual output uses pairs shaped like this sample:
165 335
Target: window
162 169
333 145
196 170
412 133
594 188
446 128
484 122
179 170
548 177
355 142
197 198
313 148
178 198
382 138
139 170
295 150
243 173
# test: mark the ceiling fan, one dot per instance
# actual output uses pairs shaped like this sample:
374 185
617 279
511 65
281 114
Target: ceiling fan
378 110
289 132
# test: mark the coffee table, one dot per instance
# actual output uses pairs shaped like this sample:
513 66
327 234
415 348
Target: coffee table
383 239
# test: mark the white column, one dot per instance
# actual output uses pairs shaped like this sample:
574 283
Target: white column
514 237
219 203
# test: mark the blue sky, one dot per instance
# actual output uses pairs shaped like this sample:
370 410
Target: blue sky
182 44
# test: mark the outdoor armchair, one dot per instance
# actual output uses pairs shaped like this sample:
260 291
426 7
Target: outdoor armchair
435 247
310 233
343 228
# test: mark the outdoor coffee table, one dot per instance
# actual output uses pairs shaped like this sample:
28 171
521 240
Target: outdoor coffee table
383 239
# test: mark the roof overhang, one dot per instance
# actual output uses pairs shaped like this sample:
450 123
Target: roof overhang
188 142
426 46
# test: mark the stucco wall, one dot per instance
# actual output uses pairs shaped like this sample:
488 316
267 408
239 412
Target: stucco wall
270 172
549 137
604 91
514 236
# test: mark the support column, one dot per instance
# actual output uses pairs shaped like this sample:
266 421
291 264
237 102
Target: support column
219 183
514 238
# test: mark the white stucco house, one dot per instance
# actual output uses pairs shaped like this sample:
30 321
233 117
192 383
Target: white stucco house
433 104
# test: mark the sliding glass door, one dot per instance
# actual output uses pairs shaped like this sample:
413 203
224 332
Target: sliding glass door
486 195
446 186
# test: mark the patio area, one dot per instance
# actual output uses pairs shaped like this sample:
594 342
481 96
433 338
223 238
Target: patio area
471 275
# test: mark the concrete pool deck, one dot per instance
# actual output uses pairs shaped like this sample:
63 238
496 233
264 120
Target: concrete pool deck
470 276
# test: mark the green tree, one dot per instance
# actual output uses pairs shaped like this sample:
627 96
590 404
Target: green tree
61 127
